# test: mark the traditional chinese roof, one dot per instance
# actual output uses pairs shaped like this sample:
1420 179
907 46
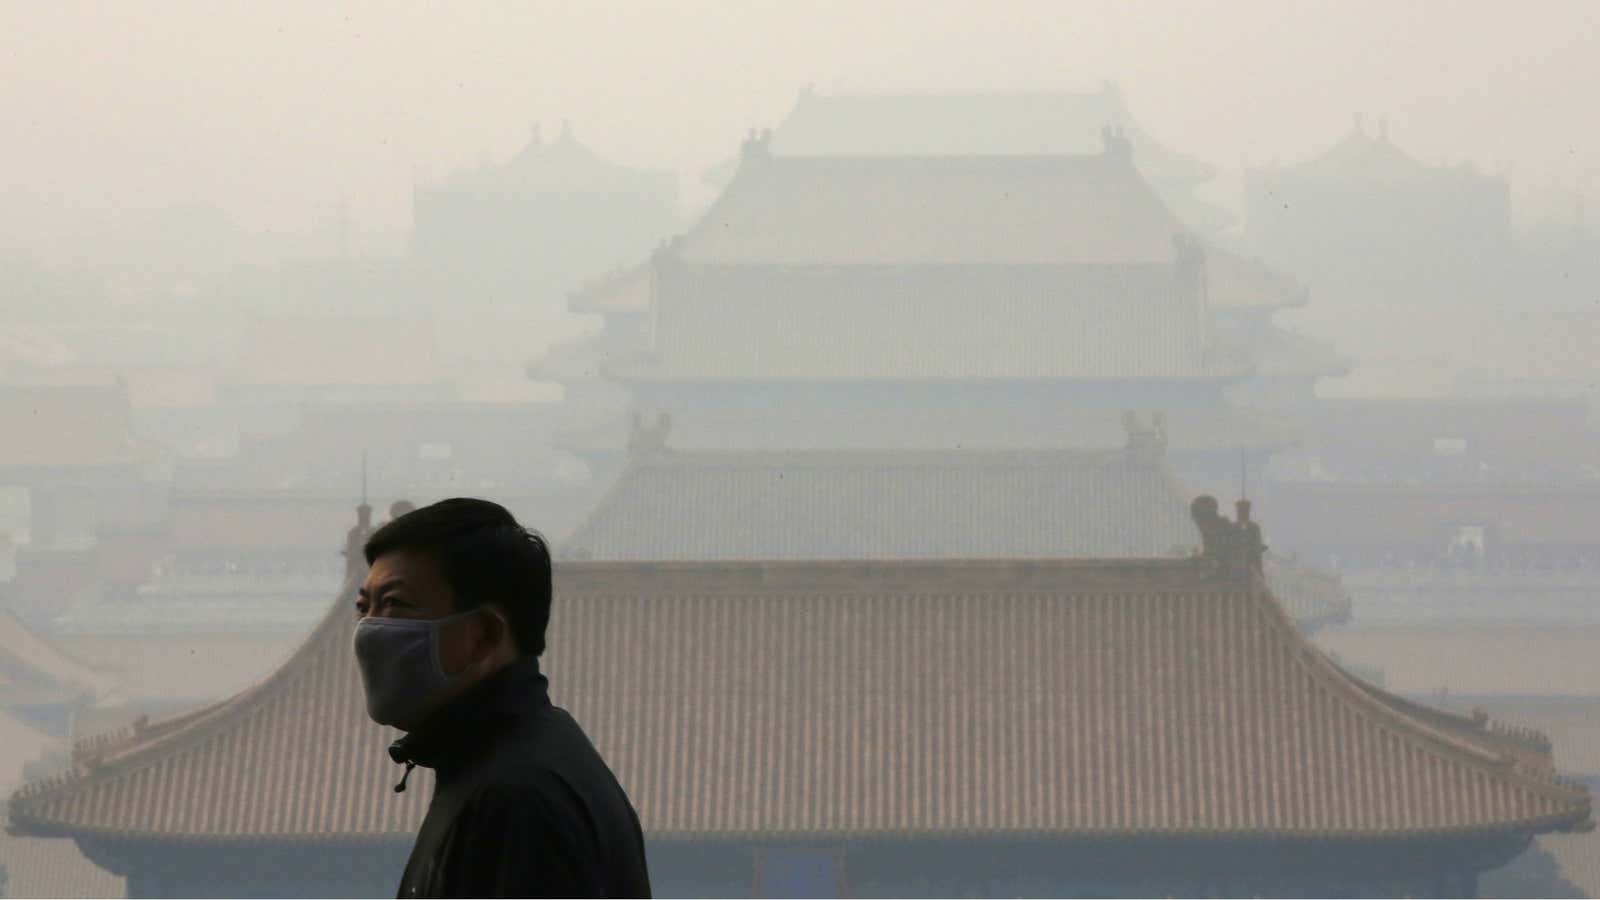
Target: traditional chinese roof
1372 159
968 504
840 210
1047 698
627 290
562 164
1286 353
985 124
671 505
1234 282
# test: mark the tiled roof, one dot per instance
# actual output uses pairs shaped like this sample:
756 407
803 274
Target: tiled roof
1099 322
1373 159
1047 698
934 210
628 290
1234 282
972 125
1282 352
837 505
912 505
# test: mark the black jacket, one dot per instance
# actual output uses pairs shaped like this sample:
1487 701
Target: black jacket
523 805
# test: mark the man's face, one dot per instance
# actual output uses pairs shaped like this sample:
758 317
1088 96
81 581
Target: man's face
403 585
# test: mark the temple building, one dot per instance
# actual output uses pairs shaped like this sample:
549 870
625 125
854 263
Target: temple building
905 303
523 232
1000 727
1367 221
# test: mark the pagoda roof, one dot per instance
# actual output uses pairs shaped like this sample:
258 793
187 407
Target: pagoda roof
1124 699
973 124
1371 158
992 210
564 163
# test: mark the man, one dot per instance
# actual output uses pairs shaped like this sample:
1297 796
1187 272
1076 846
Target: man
452 623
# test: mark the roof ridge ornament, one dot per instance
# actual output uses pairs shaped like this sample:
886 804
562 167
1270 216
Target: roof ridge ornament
646 442
1117 145
1235 546
757 147
1146 443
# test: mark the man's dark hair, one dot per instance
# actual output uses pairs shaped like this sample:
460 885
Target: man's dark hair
485 557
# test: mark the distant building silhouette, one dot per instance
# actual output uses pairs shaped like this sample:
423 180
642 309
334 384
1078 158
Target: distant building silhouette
525 232
1367 221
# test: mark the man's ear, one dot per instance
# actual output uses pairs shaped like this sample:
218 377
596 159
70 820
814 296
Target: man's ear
495 630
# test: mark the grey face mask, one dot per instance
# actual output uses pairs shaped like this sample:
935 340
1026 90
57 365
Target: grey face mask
400 668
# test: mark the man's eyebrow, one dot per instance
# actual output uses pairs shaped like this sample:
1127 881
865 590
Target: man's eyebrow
393 582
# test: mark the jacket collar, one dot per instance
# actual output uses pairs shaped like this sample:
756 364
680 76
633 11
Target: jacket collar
463 730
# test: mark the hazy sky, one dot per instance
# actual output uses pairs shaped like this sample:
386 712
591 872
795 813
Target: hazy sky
275 111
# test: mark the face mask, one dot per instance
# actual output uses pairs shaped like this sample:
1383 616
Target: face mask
400 668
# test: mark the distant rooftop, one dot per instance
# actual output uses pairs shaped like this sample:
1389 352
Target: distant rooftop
978 124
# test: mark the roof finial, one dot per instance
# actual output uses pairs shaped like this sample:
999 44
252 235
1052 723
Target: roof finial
756 146
645 441
1235 546
1116 144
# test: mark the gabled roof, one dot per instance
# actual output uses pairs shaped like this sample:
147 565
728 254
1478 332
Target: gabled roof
980 124
1068 699
840 210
